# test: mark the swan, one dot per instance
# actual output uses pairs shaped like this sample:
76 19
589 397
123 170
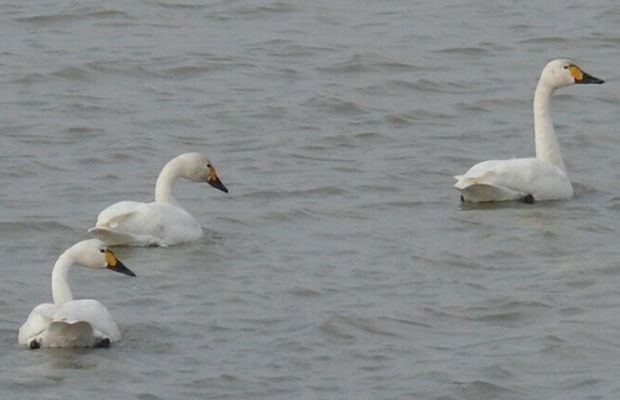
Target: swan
68 322
162 222
529 179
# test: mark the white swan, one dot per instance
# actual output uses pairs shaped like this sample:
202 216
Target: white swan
163 222
529 179
68 322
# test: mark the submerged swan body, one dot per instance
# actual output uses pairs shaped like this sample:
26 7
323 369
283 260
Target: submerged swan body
543 177
162 222
68 322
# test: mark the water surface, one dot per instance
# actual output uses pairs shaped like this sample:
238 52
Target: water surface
341 264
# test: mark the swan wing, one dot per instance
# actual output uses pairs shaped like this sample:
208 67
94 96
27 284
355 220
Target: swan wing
502 180
36 324
115 215
146 224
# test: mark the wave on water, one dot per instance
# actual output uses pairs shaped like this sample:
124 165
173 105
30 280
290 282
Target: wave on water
22 227
351 327
337 106
71 15
370 62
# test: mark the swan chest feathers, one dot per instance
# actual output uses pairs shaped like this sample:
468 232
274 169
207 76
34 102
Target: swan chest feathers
504 180
146 224
77 323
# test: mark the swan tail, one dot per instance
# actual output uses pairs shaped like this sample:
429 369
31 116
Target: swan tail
113 221
107 230
461 182
99 229
112 238
477 189
478 192
68 333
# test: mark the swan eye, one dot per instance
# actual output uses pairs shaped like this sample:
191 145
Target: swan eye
209 165
565 67
101 251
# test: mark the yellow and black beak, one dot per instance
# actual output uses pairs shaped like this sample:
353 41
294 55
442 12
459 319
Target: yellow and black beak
582 77
115 264
214 180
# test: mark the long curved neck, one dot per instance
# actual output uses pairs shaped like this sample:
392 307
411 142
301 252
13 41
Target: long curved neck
61 292
547 147
165 182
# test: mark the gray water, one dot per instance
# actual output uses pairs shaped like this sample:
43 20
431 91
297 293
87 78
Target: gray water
341 265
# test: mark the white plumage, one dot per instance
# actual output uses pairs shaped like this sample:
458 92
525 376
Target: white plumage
543 177
68 322
163 222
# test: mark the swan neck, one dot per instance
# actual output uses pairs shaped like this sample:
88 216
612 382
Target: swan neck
165 182
547 146
61 292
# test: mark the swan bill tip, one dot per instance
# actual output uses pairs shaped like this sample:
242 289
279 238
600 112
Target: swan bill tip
217 183
119 267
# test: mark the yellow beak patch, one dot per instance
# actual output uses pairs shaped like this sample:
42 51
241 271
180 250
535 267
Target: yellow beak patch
576 72
110 258
212 173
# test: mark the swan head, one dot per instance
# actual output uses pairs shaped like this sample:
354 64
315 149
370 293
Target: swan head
198 168
564 72
93 253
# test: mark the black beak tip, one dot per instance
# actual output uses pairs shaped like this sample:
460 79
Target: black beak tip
591 79
596 81
216 183
121 268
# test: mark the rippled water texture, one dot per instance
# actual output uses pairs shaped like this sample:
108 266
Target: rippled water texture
341 265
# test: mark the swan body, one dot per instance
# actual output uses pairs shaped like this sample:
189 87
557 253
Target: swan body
68 322
163 222
543 177
504 180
